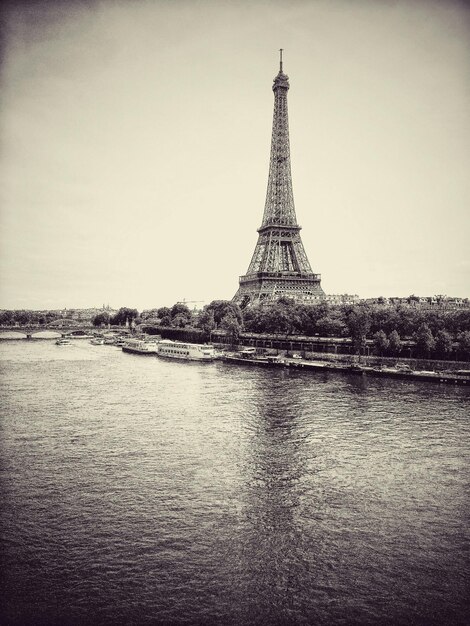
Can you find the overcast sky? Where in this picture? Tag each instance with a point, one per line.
(136, 137)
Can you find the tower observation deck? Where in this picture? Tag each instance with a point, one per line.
(279, 265)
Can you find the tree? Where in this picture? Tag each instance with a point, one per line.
(164, 312)
(444, 343)
(313, 313)
(101, 318)
(358, 322)
(383, 317)
(464, 344)
(181, 320)
(381, 342)
(460, 321)
(394, 343)
(23, 317)
(408, 321)
(300, 320)
(180, 309)
(425, 342)
(51, 316)
(123, 316)
(181, 316)
(6, 317)
(206, 320)
(330, 327)
(232, 326)
(150, 314)
(220, 308)
(253, 318)
(280, 316)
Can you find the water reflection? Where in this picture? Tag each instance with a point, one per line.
(278, 470)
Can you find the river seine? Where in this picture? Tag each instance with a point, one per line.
(142, 491)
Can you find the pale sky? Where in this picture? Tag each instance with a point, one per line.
(136, 135)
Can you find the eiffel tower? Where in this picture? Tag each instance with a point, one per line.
(279, 266)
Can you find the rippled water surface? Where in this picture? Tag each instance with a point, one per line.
(143, 491)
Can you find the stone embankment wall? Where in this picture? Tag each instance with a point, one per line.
(375, 361)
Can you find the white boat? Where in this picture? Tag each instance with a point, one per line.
(62, 341)
(140, 346)
(97, 341)
(185, 351)
(115, 340)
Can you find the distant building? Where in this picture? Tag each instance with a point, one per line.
(86, 315)
(342, 299)
(422, 302)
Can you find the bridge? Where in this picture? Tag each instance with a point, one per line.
(64, 329)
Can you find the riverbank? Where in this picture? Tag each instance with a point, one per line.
(399, 371)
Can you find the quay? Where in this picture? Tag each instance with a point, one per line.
(454, 378)
(268, 351)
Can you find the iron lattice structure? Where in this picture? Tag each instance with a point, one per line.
(279, 266)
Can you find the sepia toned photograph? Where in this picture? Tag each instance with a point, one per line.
(234, 313)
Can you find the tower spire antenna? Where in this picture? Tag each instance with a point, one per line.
(280, 52)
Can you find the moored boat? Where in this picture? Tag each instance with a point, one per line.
(185, 351)
(97, 341)
(249, 357)
(63, 341)
(140, 346)
(115, 340)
